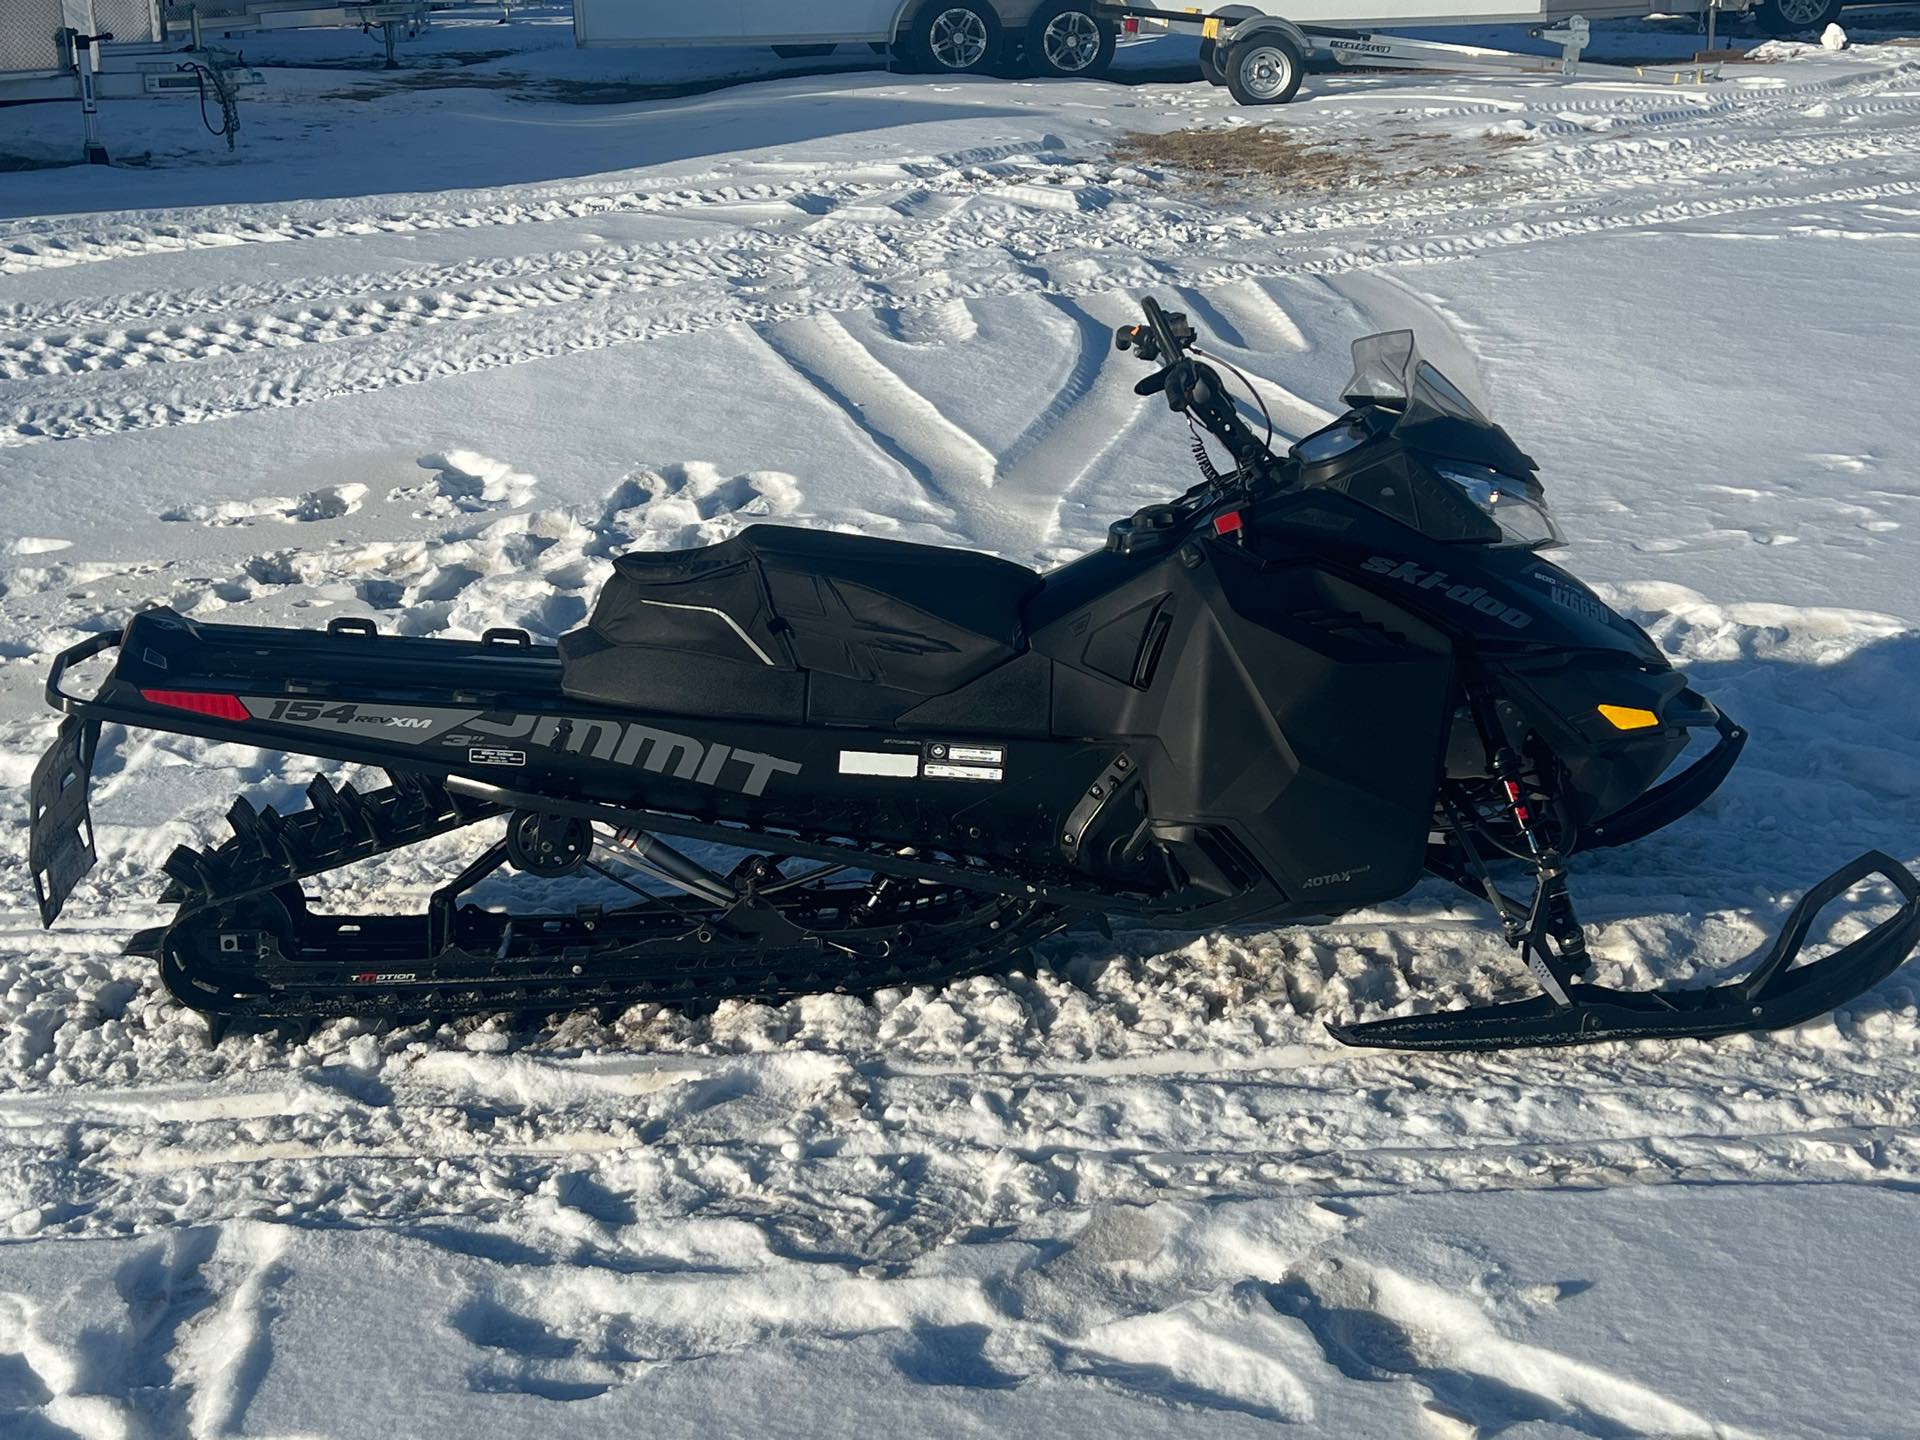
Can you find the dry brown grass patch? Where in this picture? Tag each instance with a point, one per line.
(1219, 157)
(1245, 151)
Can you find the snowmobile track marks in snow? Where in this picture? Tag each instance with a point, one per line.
(29, 245)
(486, 328)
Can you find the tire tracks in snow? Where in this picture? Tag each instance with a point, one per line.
(35, 245)
(93, 404)
(794, 1138)
(33, 330)
(312, 310)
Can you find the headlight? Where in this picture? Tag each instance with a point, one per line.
(1518, 507)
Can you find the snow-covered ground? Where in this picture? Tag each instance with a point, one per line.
(435, 353)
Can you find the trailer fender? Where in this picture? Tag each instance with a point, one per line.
(1257, 24)
(1211, 49)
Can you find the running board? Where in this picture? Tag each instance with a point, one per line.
(1775, 994)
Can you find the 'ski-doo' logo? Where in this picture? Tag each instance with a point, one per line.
(663, 751)
(1474, 597)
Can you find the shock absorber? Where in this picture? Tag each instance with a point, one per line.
(1552, 916)
(877, 897)
(1549, 936)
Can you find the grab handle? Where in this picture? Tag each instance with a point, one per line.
(73, 655)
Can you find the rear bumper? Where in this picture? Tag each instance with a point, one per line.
(167, 663)
(57, 696)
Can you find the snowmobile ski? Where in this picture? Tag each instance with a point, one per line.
(1773, 995)
(799, 761)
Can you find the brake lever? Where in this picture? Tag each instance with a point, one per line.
(1138, 339)
(1152, 384)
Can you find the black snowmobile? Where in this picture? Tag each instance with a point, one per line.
(1293, 691)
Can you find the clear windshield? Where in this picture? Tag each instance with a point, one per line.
(1388, 371)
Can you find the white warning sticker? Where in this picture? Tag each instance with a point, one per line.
(897, 764)
(976, 754)
(937, 771)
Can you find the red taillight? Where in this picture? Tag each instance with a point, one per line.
(220, 707)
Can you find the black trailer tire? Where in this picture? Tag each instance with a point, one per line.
(801, 52)
(1264, 69)
(954, 37)
(1213, 53)
(1796, 17)
(1069, 40)
(1210, 67)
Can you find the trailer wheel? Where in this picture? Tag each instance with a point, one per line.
(1069, 39)
(1795, 17)
(801, 52)
(1213, 67)
(955, 37)
(1210, 67)
(1264, 69)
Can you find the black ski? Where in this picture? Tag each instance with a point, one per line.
(1774, 994)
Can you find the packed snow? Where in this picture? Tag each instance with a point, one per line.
(431, 348)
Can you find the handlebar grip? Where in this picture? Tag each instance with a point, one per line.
(1170, 349)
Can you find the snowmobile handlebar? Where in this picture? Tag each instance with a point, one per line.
(1164, 336)
(1194, 389)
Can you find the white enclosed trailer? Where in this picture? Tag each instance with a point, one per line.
(1058, 37)
(1076, 37)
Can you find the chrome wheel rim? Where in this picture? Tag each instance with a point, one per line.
(1801, 12)
(1265, 72)
(958, 38)
(1071, 41)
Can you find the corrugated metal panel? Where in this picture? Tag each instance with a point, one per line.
(126, 20)
(27, 31)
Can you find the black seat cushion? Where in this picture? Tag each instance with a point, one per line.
(779, 621)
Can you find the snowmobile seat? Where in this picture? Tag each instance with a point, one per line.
(784, 624)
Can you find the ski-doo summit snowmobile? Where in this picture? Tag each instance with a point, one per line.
(1291, 692)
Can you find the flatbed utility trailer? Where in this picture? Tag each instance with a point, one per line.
(1260, 54)
(393, 18)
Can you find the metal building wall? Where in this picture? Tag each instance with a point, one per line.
(127, 20)
(27, 35)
